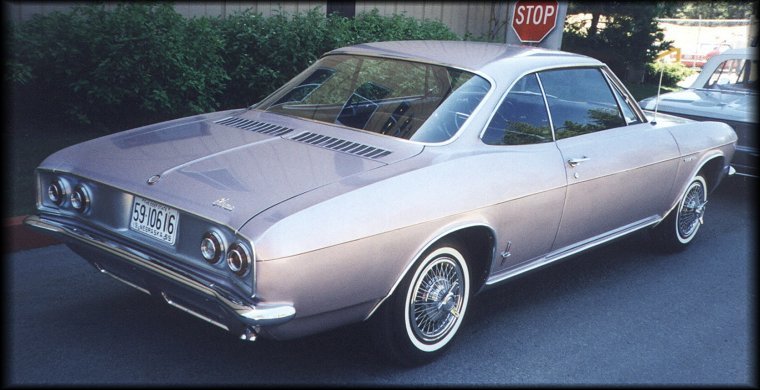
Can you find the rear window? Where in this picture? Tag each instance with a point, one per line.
(404, 99)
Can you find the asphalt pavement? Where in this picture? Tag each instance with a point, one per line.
(620, 314)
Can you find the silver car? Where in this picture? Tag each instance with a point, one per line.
(725, 91)
(389, 182)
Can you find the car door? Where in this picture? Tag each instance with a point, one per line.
(530, 175)
(619, 169)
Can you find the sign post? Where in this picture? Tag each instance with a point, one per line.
(536, 23)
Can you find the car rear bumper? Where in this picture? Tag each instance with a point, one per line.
(177, 288)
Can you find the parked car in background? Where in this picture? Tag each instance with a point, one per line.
(726, 90)
(703, 54)
(389, 182)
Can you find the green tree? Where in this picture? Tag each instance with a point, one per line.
(711, 9)
(624, 35)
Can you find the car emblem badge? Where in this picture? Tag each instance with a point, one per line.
(153, 179)
(507, 252)
(223, 203)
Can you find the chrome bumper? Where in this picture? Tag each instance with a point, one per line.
(250, 316)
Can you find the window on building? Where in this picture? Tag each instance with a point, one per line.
(342, 8)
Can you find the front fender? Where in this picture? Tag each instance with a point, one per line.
(711, 153)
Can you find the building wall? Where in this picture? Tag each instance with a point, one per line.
(462, 17)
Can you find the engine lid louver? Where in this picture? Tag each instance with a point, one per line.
(255, 126)
(341, 145)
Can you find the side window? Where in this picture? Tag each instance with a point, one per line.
(625, 106)
(734, 74)
(521, 118)
(580, 101)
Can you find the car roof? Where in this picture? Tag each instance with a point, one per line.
(468, 55)
(742, 51)
(731, 54)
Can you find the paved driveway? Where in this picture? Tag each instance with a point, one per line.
(621, 314)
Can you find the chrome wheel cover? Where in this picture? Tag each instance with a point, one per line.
(437, 299)
(691, 211)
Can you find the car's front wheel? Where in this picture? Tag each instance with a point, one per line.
(419, 321)
(676, 231)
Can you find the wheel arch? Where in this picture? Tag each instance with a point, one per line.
(712, 170)
(479, 241)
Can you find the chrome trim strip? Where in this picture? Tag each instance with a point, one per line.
(546, 106)
(573, 249)
(746, 149)
(192, 312)
(260, 314)
(632, 102)
(128, 283)
(218, 153)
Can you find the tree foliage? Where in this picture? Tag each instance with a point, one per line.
(262, 53)
(624, 35)
(144, 62)
(711, 9)
(93, 64)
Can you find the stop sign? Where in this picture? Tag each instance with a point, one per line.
(534, 20)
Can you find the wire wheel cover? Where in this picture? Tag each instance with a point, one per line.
(692, 210)
(437, 300)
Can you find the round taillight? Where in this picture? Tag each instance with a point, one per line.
(80, 198)
(57, 191)
(212, 247)
(238, 259)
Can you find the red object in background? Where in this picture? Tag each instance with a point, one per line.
(20, 237)
(534, 20)
(699, 60)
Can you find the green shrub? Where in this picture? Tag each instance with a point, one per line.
(372, 27)
(109, 66)
(672, 73)
(140, 63)
(262, 53)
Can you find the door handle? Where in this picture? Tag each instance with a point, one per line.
(575, 161)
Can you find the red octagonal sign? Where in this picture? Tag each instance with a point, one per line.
(534, 20)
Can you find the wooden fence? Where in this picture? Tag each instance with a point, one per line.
(478, 18)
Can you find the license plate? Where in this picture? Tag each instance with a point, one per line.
(154, 220)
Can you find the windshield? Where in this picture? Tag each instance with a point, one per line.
(404, 99)
(734, 75)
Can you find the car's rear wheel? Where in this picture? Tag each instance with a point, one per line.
(676, 231)
(419, 321)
